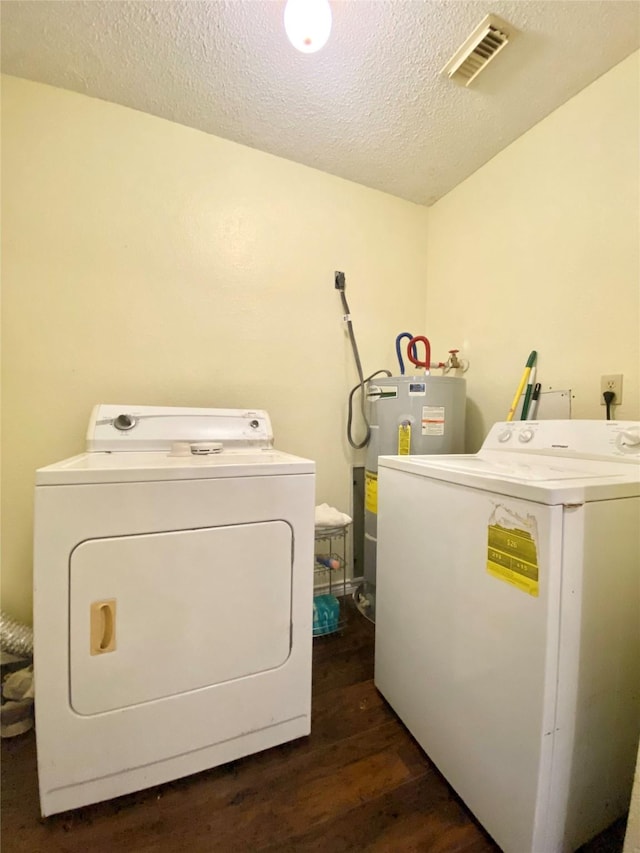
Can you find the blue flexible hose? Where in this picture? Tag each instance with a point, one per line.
(401, 337)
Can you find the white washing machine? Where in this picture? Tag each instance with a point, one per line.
(508, 623)
(173, 586)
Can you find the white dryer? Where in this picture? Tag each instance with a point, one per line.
(173, 585)
(508, 623)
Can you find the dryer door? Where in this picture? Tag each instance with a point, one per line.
(165, 613)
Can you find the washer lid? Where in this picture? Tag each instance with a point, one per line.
(552, 462)
(530, 468)
(107, 467)
(537, 477)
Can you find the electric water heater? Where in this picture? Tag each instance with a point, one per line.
(408, 416)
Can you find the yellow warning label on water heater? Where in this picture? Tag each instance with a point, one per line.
(404, 439)
(371, 492)
(512, 557)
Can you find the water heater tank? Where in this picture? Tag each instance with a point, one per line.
(408, 415)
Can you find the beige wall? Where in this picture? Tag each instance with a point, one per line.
(145, 262)
(539, 250)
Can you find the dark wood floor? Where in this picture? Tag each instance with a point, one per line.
(358, 782)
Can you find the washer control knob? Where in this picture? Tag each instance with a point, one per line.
(124, 422)
(525, 435)
(503, 436)
(629, 438)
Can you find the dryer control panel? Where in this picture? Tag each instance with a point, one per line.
(119, 428)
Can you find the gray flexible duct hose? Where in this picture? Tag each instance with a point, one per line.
(15, 637)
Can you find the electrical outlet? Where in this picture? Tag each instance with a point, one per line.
(611, 382)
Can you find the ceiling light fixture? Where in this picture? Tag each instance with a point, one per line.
(307, 24)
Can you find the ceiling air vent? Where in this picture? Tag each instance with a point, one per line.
(484, 43)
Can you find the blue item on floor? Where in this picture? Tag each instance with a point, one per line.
(326, 614)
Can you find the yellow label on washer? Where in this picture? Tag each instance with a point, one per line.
(371, 491)
(404, 439)
(512, 557)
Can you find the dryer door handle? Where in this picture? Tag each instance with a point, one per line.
(103, 626)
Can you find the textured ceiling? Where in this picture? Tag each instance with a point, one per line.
(370, 107)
